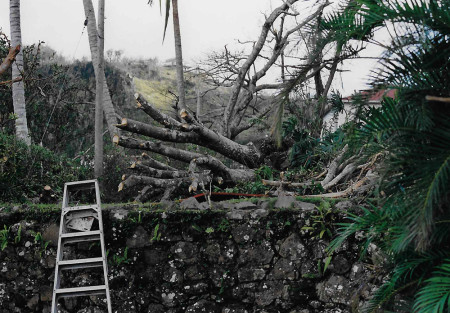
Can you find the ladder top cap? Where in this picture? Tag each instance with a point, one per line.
(81, 182)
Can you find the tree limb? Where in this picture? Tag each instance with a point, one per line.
(134, 180)
(158, 173)
(148, 161)
(8, 61)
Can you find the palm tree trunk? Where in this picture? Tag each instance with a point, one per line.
(108, 107)
(98, 159)
(178, 56)
(18, 91)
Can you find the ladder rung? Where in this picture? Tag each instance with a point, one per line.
(81, 182)
(80, 208)
(80, 263)
(80, 236)
(81, 291)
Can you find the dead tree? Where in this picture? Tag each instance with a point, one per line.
(241, 74)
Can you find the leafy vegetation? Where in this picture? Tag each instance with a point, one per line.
(118, 259)
(4, 236)
(24, 171)
(41, 242)
(322, 222)
(411, 223)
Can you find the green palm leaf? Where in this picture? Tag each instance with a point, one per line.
(435, 295)
(411, 269)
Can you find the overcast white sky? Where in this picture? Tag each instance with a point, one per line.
(137, 28)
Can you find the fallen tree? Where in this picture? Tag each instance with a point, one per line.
(226, 161)
(202, 168)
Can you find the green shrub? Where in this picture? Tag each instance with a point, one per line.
(24, 171)
(410, 223)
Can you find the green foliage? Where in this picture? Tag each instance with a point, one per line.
(24, 171)
(137, 220)
(209, 230)
(197, 228)
(308, 152)
(118, 259)
(435, 295)
(43, 244)
(322, 222)
(224, 225)
(411, 224)
(255, 187)
(302, 151)
(322, 266)
(18, 237)
(4, 236)
(156, 234)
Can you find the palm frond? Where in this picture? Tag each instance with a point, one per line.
(435, 295)
(166, 19)
(411, 269)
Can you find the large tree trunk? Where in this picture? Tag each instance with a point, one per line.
(18, 91)
(178, 56)
(108, 106)
(98, 160)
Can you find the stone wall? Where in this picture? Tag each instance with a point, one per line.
(237, 257)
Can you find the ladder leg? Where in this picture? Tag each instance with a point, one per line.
(103, 248)
(59, 255)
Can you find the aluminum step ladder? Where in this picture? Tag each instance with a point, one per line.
(75, 225)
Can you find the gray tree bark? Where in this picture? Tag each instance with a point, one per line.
(98, 158)
(178, 56)
(18, 90)
(8, 61)
(108, 106)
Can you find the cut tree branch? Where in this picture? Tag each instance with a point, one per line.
(9, 60)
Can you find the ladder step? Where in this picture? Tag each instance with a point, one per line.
(80, 208)
(81, 182)
(80, 236)
(80, 291)
(80, 263)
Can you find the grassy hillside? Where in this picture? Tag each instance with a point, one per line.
(156, 89)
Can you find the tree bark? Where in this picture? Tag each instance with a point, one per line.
(8, 61)
(18, 90)
(178, 56)
(108, 106)
(98, 159)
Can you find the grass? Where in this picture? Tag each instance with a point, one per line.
(156, 91)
